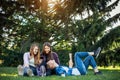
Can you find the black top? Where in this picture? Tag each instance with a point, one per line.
(45, 60)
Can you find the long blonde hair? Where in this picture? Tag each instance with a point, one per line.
(36, 56)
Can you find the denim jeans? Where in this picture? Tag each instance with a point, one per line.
(83, 65)
(32, 68)
(41, 70)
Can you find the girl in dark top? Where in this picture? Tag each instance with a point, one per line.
(48, 55)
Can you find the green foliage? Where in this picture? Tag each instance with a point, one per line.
(25, 21)
(63, 56)
(11, 58)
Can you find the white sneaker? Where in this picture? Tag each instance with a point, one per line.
(30, 72)
(63, 75)
(20, 70)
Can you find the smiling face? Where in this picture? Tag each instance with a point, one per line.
(35, 53)
(47, 49)
(35, 50)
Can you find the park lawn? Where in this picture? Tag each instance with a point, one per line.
(10, 73)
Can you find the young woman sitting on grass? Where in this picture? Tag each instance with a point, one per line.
(80, 66)
(31, 62)
(48, 55)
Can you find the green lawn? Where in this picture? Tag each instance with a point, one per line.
(10, 73)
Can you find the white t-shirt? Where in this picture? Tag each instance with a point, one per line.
(75, 71)
(31, 62)
(28, 60)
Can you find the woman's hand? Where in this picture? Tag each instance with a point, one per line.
(40, 61)
(26, 65)
(51, 64)
(70, 63)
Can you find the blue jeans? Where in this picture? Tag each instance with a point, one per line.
(83, 65)
(32, 68)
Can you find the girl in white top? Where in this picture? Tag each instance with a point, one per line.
(31, 60)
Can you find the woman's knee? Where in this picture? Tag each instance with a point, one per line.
(76, 54)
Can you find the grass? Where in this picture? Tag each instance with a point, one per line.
(10, 73)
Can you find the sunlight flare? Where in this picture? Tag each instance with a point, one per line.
(51, 3)
(4, 74)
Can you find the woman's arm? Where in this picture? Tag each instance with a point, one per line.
(26, 59)
(56, 58)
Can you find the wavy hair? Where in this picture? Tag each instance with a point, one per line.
(36, 56)
(49, 55)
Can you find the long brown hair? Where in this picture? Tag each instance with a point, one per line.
(36, 56)
(49, 55)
